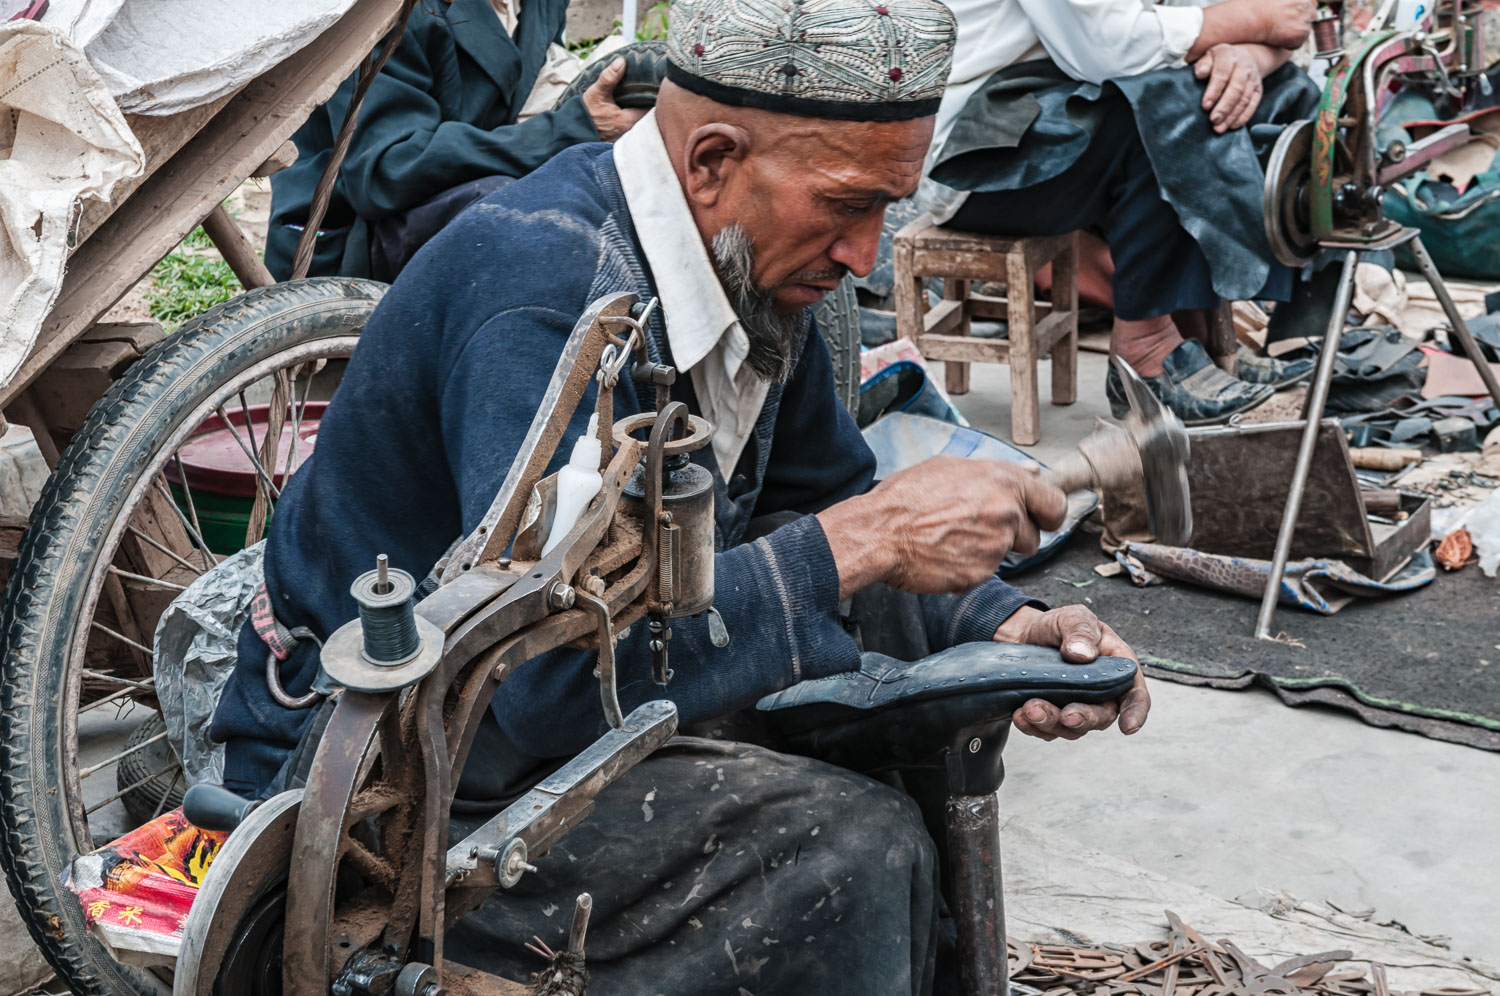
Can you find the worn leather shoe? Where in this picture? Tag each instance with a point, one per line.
(1254, 369)
(1198, 392)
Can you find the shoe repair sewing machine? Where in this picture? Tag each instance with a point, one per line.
(1326, 182)
(376, 881)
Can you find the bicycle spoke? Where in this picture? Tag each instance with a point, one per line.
(123, 693)
(115, 679)
(149, 580)
(122, 638)
(260, 467)
(196, 569)
(133, 785)
(249, 454)
(187, 491)
(84, 773)
(270, 448)
(161, 803)
(192, 531)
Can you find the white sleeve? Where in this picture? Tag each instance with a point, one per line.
(1096, 40)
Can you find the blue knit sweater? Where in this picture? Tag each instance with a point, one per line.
(437, 400)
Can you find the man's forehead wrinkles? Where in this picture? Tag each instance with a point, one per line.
(867, 179)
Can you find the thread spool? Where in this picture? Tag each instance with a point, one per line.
(1328, 34)
(387, 614)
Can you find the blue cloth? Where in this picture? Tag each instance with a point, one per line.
(434, 405)
(1136, 157)
(440, 114)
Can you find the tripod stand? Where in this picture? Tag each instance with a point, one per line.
(1317, 395)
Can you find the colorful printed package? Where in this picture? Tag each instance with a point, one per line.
(136, 891)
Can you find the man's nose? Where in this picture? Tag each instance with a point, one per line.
(858, 246)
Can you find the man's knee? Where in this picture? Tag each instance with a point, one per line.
(865, 822)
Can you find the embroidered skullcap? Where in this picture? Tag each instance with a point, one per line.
(855, 60)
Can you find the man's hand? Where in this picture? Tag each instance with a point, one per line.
(941, 526)
(1278, 23)
(1234, 87)
(610, 119)
(1082, 638)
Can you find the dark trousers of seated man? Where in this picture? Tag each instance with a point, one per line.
(719, 866)
(1112, 189)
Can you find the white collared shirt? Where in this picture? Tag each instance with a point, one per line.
(707, 341)
(1090, 40)
(509, 12)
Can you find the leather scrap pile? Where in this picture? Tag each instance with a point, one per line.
(1188, 965)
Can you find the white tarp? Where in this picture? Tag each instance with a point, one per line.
(62, 139)
(66, 83)
(165, 56)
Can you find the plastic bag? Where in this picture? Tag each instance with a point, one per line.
(1483, 525)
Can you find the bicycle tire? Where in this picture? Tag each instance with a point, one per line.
(50, 581)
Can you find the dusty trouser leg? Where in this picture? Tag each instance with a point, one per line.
(721, 867)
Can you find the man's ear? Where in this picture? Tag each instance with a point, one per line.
(714, 152)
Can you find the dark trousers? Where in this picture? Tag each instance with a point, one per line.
(1112, 188)
(395, 240)
(718, 866)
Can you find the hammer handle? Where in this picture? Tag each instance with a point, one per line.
(1072, 473)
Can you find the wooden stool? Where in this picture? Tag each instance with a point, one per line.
(924, 249)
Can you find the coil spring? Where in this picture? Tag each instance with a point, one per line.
(666, 562)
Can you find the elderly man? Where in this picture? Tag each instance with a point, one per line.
(759, 180)
(1084, 114)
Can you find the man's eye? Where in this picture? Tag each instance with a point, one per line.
(856, 207)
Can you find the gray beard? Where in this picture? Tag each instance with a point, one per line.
(775, 339)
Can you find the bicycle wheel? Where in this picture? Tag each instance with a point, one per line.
(180, 462)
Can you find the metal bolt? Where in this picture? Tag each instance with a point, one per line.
(382, 575)
(504, 563)
(974, 746)
(516, 863)
(561, 595)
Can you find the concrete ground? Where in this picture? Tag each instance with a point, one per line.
(1234, 792)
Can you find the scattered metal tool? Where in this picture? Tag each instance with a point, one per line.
(1187, 965)
(1151, 448)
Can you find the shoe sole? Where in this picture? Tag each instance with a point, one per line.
(1119, 413)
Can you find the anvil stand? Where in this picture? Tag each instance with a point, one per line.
(1317, 397)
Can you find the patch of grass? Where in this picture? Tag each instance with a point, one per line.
(188, 283)
(653, 27)
(654, 24)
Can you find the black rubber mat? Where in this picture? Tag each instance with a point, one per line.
(1427, 662)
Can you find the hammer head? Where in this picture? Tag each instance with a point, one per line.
(1163, 444)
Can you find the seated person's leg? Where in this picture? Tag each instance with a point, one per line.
(717, 865)
(1158, 266)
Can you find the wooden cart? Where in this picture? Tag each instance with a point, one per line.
(108, 547)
